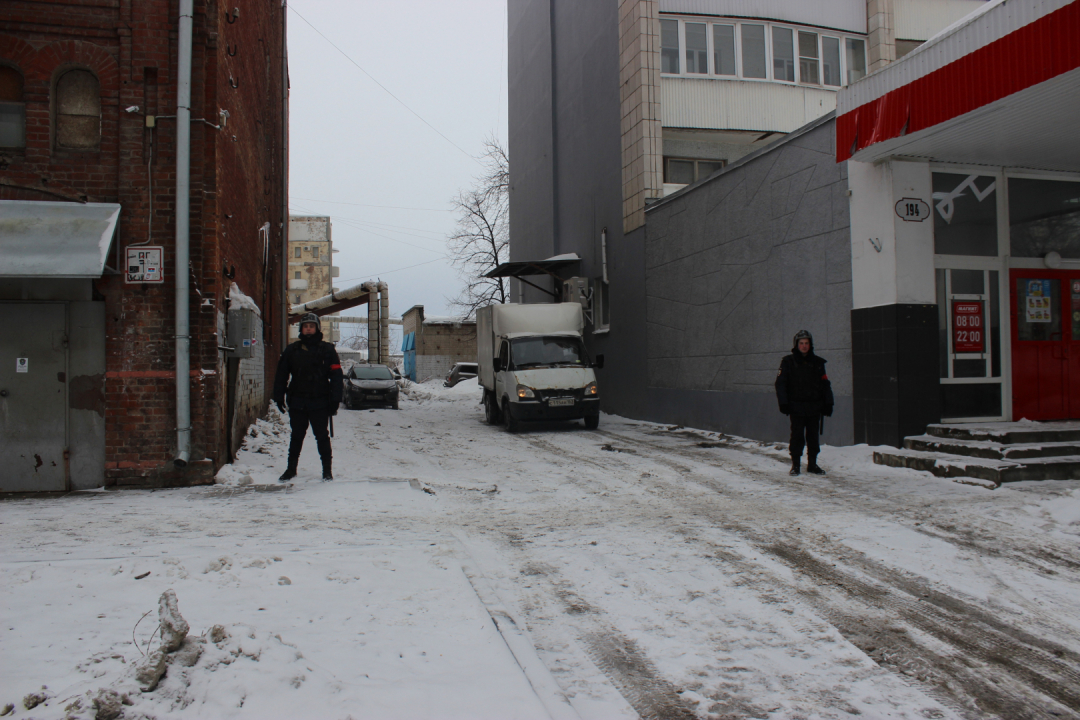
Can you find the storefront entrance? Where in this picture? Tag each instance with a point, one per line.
(1045, 309)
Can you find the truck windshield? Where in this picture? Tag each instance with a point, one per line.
(548, 351)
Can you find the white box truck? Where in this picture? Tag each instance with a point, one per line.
(533, 365)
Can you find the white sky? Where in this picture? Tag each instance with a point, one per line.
(351, 142)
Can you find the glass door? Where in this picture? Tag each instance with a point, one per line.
(1045, 343)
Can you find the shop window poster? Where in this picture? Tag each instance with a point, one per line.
(1038, 301)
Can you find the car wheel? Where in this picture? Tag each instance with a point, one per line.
(512, 425)
(592, 421)
(491, 409)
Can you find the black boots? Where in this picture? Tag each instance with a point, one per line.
(794, 467)
(327, 476)
(812, 467)
(289, 474)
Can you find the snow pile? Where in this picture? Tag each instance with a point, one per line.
(238, 300)
(266, 439)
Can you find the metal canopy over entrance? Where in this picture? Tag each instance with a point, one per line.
(553, 267)
(55, 239)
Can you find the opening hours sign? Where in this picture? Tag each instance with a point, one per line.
(969, 334)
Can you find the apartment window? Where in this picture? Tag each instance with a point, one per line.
(78, 110)
(315, 253)
(753, 51)
(297, 299)
(669, 46)
(683, 171)
(724, 49)
(296, 252)
(783, 48)
(296, 275)
(856, 60)
(809, 64)
(830, 61)
(12, 108)
(697, 48)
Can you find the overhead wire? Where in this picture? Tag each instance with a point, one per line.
(389, 207)
(354, 225)
(385, 89)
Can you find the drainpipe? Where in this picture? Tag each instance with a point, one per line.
(183, 220)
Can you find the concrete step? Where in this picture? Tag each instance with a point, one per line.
(1011, 433)
(1000, 471)
(990, 449)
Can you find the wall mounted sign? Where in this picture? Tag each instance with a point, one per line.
(22, 365)
(144, 264)
(912, 209)
(968, 330)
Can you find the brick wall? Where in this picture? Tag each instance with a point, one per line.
(237, 185)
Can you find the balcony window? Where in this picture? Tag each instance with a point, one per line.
(683, 171)
(753, 51)
(830, 61)
(856, 60)
(697, 49)
(669, 46)
(724, 49)
(783, 54)
(808, 58)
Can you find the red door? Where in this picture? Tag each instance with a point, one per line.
(1045, 344)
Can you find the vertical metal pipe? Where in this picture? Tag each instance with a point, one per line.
(183, 185)
(384, 324)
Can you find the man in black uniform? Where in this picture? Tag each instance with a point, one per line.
(313, 394)
(805, 393)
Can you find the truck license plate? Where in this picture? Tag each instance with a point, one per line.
(560, 402)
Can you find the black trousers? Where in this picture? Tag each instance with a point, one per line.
(319, 420)
(804, 433)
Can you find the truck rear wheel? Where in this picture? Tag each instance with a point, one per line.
(491, 409)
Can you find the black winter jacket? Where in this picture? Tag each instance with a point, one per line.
(802, 385)
(315, 370)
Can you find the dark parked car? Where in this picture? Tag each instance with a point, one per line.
(460, 371)
(370, 384)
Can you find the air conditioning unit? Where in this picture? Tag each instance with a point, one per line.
(576, 290)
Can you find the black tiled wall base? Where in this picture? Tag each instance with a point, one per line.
(894, 363)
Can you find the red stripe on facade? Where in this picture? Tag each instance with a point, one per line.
(1026, 57)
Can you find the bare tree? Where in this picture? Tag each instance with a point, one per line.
(481, 239)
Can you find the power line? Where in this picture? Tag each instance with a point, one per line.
(387, 272)
(391, 207)
(354, 225)
(372, 77)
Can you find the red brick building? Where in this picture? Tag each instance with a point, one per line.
(88, 175)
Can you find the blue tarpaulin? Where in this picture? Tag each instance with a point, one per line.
(408, 346)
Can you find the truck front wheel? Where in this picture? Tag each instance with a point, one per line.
(512, 425)
(491, 409)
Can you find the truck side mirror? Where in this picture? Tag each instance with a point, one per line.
(599, 364)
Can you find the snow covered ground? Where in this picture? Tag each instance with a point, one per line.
(455, 571)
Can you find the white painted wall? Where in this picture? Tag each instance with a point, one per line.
(903, 271)
(922, 19)
(849, 15)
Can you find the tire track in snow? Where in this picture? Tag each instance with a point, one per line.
(996, 665)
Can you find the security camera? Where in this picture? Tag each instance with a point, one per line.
(132, 109)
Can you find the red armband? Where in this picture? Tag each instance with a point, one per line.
(335, 367)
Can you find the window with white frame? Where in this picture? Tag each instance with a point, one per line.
(683, 171)
(760, 51)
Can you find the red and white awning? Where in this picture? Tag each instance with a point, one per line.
(1000, 87)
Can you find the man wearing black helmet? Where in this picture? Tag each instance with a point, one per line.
(805, 394)
(313, 393)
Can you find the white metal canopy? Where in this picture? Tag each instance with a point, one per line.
(55, 239)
